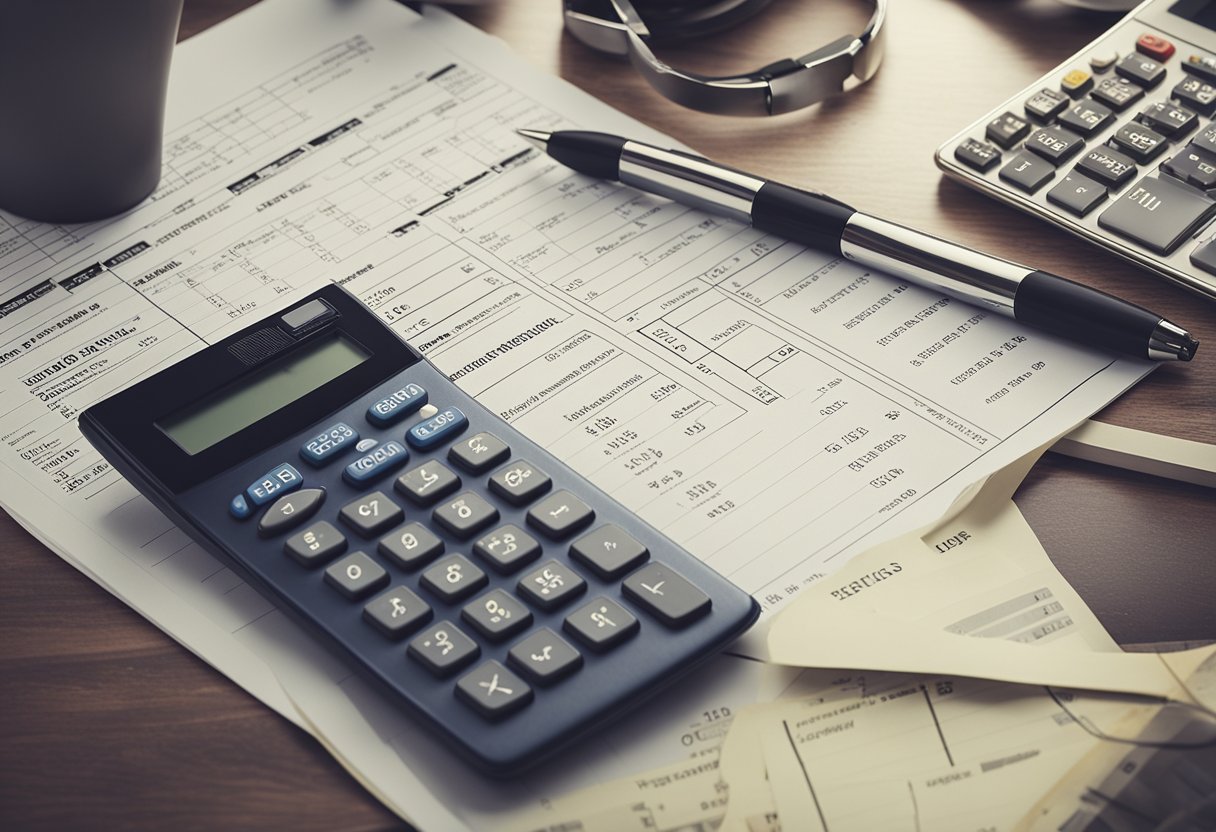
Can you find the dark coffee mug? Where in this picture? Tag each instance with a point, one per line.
(84, 104)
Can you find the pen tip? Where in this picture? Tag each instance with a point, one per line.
(1187, 350)
(537, 138)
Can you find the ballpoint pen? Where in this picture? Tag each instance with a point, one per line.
(1042, 300)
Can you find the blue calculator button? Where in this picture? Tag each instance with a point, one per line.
(438, 429)
(239, 507)
(329, 442)
(273, 483)
(387, 457)
(397, 405)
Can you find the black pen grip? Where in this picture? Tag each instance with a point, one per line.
(1083, 314)
(814, 220)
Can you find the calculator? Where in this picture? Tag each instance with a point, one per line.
(493, 593)
(1117, 144)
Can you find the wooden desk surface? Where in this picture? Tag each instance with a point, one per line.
(106, 723)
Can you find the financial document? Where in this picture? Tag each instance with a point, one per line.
(771, 408)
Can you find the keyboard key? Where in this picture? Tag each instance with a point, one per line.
(428, 483)
(608, 551)
(560, 514)
(371, 514)
(1077, 194)
(1157, 213)
(552, 585)
(601, 624)
(1103, 61)
(380, 461)
(1196, 95)
(479, 453)
(411, 546)
(290, 510)
(497, 615)
(465, 515)
(356, 576)
(429, 433)
(1204, 256)
(1202, 65)
(1169, 120)
(1007, 129)
(1191, 165)
(507, 548)
(520, 483)
(666, 594)
(1045, 104)
(239, 507)
(1206, 140)
(274, 483)
(1141, 143)
(1055, 144)
(1144, 71)
(1118, 93)
(493, 691)
(1086, 117)
(1028, 172)
(329, 443)
(1077, 82)
(397, 405)
(545, 657)
(397, 613)
(453, 578)
(443, 649)
(1110, 167)
(318, 544)
(1154, 46)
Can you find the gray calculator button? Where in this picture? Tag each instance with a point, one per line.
(551, 585)
(977, 155)
(1086, 117)
(356, 576)
(1055, 144)
(1204, 256)
(544, 657)
(397, 612)
(1045, 104)
(608, 551)
(1110, 167)
(560, 514)
(1118, 93)
(411, 546)
(520, 483)
(493, 691)
(466, 514)
(317, 544)
(1145, 72)
(1195, 94)
(1007, 129)
(1194, 166)
(453, 578)
(1077, 194)
(371, 514)
(428, 483)
(601, 624)
(1157, 213)
(507, 548)
(1028, 172)
(496, 615)
(666, 594)
(290, 510)
(1141, 143)
(1169, 119)
(479, 453)
(443, 649)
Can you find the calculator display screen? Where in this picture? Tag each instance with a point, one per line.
(216, 417)
(1202, 12)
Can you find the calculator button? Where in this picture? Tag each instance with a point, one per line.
(1157, 213)
(1077, 82)
(371, 514)
(1055, 144)
(1195, 94)
(383, 460)
(520, 483)
(397, 613)
(545, 657)
(601, 624)
(1141, 143)
(493, 691)
(1028, 172)
(356, 576)
(438, 429)
(1118, 93)
(1103, 62)
(978, 155)
(397, 405)
(317, 544)
(479, 453)
(1207, 139)
(1144, 71)
(1110, 167)
(428, 483)
(608, 551)
(1077, 194)
(497, 615)
(1202, 65)
(1045, 104)
(1007, 129)
(290, 510)
(365, 445)
(507, 548)
(239, 507)
(453, 578)
(411, 546)
(274, 483)
(443, 649)
(307, 315)
(551, 585)
(560, 514)
(329, 443)
(1204, 256)
(466, 515)
(1193, 166)
(1168, 119)
(666, 594)
(1155, 46)
(1086, 117)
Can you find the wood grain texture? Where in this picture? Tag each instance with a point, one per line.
(108, 724)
